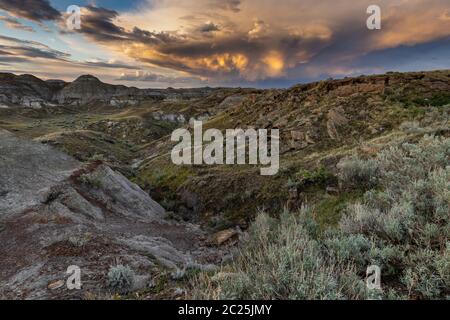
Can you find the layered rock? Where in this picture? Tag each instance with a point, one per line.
(29, 91)
(88, 88)
(24, 90)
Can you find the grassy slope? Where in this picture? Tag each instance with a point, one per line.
(374, 107)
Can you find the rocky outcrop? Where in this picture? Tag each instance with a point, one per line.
(27, 172)
(336, 119)
(29, 91)
(56, 212)
(89, 88)
(24, 90)
(171, 117)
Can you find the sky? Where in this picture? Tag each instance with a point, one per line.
(197, 43)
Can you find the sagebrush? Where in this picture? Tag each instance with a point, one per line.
(401, 225)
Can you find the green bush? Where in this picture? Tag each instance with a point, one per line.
(121, 279)
(355, 173)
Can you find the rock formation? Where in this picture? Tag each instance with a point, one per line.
(56, 212)
(29, 91)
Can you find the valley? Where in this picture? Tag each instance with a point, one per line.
(87, 176)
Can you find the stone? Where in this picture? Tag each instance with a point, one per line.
(332, 190)
(224, 236)
(56, 285)
(336, 119)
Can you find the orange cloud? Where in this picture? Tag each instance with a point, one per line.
(235, 40)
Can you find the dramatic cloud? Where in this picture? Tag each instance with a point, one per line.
(209, 38)
(16, 51)
(244, 41)
(35, 10)
(208, 50)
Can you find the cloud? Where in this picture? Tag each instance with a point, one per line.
(445, 16)
(13, 50)
(231, 5)
(157, 78)
(30, 49)
(209, 27)
(98, 23)
(35, 10)
(233, 41)
(15, 24)
(11, 59)
(207, 50)
(109, 64)
(260, 29)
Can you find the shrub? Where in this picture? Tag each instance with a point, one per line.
(97, 157)
(282, 259)
(350, 248)
(408, 220)
(121, 279)
(411, 127)
(402, 225)
(305, 178)
(355, 173)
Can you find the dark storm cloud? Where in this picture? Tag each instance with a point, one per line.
(98, 24)
(178, 51)
(153, 38)
(435, 53)
(252, 41)
(36, 10)
(204, 48)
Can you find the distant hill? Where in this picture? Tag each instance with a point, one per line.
(32, 92)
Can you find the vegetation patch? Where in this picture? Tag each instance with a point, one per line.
(400, 224)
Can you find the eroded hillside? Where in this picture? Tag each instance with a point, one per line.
(320, 124)
(56, 212)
